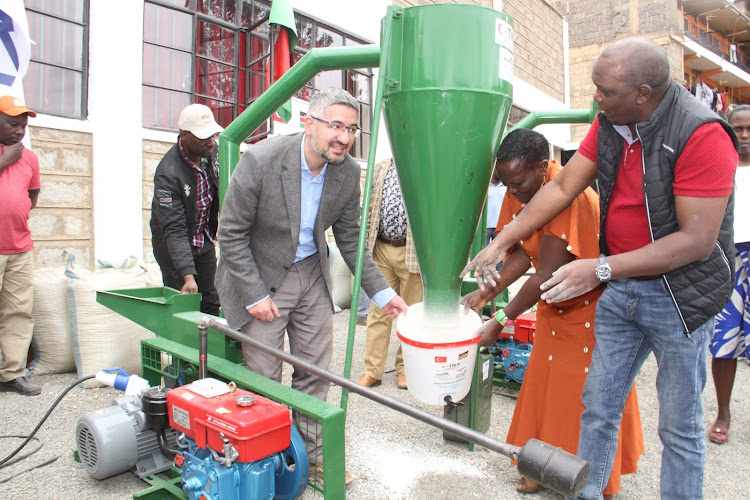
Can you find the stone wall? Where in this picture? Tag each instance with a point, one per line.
(153, 152)
(595, 24)
(539, 52)
(63, 218)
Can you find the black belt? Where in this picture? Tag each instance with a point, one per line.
(396, 243)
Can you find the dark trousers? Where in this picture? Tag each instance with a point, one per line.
(204, 259)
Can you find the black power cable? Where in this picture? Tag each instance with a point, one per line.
(7, 460)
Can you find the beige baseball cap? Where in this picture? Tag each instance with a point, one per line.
(199, 120)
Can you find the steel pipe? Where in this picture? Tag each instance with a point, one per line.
(202, 351)
(552, 467)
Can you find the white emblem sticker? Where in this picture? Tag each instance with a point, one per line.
(505, 66)
(220, 423)
(503, 33)
(181, 417)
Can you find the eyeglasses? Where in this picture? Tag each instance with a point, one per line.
(338, 127)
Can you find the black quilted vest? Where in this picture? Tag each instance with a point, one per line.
(701, 289)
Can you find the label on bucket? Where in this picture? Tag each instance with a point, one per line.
(449, 374)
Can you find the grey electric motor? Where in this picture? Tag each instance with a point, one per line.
(116, 439)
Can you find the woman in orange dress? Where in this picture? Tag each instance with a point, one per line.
(549, 405)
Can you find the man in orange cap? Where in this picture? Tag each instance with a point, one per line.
(19, 192)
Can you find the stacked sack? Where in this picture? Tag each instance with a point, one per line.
(343, 279)
(74, 332)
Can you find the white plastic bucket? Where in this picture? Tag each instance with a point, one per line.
(438, 360)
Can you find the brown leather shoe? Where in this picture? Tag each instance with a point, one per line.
(401, 381)
(22, 385)
(368, 381)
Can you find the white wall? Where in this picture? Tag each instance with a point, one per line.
(114, 119)
(115, 62)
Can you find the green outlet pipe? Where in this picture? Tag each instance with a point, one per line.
(536, 118)
(315, 61)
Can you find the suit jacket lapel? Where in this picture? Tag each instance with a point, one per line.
(291, 178)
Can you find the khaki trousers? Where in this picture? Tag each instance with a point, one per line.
(392, 263)
(16, 322)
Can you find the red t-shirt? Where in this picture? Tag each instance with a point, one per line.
(705, 169)
(15, 205)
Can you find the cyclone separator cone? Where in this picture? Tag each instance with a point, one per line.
(446, 101)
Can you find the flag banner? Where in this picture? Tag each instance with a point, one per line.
(282, 15)
(15, 51)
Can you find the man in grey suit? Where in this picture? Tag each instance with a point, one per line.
(273, 274)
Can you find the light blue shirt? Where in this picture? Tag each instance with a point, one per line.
(312, 190)
(495, 197)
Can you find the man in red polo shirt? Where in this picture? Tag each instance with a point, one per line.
(19, 192)
(664, 165)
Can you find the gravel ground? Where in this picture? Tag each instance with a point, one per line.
(392, 456)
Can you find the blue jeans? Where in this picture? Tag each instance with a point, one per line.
(633, 319)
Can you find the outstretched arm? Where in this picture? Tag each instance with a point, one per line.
(699, 221)
(547, 203)
(553, 253)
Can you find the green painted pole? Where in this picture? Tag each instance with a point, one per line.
(315, 61)
(385, 40)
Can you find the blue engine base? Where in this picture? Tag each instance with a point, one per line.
(512, 357)
(280, 476)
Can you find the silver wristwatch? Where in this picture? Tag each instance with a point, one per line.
(603, 271)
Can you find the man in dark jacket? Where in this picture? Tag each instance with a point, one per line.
(665, 166)
(184, 211)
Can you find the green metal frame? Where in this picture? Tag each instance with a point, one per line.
(155, 309)
(315, 61)
(164, 486)
(331, 418)
(174, 317)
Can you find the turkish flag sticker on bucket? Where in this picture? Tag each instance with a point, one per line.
(441, 359)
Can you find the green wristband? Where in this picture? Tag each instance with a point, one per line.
(501, 318)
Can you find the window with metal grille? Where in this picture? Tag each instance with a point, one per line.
(218, 53)
(516, 115)
(57, 79)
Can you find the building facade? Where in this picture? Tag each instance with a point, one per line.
(109, 83)
(706, 42)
